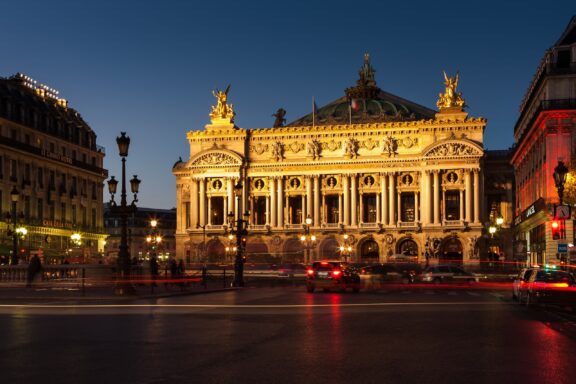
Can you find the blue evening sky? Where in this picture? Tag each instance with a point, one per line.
(149, 67)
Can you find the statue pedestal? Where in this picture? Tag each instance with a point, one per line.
(220, 125)
(451, 114)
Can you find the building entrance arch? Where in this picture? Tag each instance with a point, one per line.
(451, 251)
(407, 247)
(369, 251)
(215, 251)
(329, 249)
(292, 251)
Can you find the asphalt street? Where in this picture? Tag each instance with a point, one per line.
(285, 335)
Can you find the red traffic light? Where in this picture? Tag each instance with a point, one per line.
(555, 224)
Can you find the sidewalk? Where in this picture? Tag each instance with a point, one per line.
(73, 292)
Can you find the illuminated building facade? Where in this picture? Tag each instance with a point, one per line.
(544, 135)
(385, 176)
(48, 154)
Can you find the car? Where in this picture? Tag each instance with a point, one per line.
(375, 276)
(332, 275)
(439, 274)
(293, 270)
(549, 286)
(520, 281)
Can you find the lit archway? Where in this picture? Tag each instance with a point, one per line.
(369, 251)
(451, 250)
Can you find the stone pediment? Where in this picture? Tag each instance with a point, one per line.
(216, 158)
(453, 148)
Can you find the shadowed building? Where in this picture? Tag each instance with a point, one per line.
(545, 135)
(372, 171)
(48, 154)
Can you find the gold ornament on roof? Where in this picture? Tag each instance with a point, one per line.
(450, 98)
(222, 110)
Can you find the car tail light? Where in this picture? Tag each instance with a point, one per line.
(336, 272)
(310, 271)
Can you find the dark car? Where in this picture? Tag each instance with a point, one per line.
(293, 270)
(549, 286)
(520, 283)
(332, 275)
(375, 276)
(453, 274)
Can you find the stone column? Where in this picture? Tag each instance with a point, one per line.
(436, 197)
(209, 210)
(267, 210)
(229, 203)
(194, 203)
(468, 185)
(416, 208)
(316, 201)
(340, 213)
(424, 198)
(391, 202)
(280, 191)
(399, 207)
(384, 204)
(361, 208)
(476, 197)
(346, 187)
(378, 209)
(273, 209)
(461, 204)
(202, 202)
(309, 198)
(353, 204)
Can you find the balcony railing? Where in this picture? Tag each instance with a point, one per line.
(368, 225)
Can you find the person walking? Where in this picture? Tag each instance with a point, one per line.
(34, 267)
(153, 269)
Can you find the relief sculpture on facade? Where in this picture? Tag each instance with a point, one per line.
(453, 149)
(390, 146)
(215, 159)
(313, 149)
(351, 148)
(278, 151)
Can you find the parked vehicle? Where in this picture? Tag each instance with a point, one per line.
(294, 270)
(332, 275)
(440, 274)
(549, 286)
(375, 276)
(520, 281)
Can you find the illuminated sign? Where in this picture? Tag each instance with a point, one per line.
(538, 206)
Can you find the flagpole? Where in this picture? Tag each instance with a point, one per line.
(313, 112)
(350, 111)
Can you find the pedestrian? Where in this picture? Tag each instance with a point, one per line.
(153, 269)
(204, 276)
(34, 267)
(181, 273)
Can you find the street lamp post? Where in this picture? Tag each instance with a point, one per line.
(346, 248)
(560, 173)
(14, 195)
(154, 238)
(238, 227)
(123, 284)
(308, 241)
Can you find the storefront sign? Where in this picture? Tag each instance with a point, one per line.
(538, 206)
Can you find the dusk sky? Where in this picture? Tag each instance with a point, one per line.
(149, 67)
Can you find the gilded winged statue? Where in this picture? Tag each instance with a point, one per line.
(450, 98)
(222, 110)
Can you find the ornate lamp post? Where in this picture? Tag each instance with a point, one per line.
(308, 241)
(560, 173)
(346, 248)
(238, 227)
(154, 238)
(123, 284)
(14, 195)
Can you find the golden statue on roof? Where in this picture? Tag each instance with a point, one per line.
(450, 98)
(222, 110)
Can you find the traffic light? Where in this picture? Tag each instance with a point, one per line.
(555, 230)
